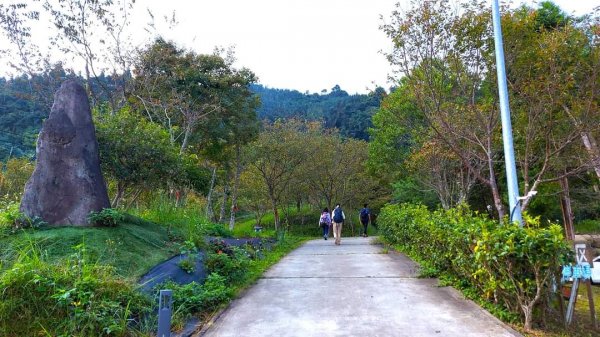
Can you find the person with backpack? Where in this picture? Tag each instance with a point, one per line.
(365, 218)
(338, 218)
(325, 222)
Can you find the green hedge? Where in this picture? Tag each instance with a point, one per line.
(507, 265)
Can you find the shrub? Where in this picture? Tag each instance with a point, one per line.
(213, 229)
(197, 298)
(73, 298)
(11, 218)
(233, 267)
(188, 264)
(506, 264)
(107, 217)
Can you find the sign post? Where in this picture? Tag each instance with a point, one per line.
(580, 272)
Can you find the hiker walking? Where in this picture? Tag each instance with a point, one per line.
(325, 222)
(365, 218)
(338, 220)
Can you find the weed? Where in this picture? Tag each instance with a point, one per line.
(107, 217)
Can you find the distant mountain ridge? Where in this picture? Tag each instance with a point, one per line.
(351, 114)
(21, 115)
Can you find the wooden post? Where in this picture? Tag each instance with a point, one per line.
(588, 284)
(572, 301)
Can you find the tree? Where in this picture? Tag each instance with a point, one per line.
(445, 59)
(135, 152)
(448, 61)
(276, 155)
(183, 90)
(337, 172)
(95, 33)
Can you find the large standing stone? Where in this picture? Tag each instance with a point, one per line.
(67, 183)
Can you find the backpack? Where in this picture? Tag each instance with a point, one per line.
(324, 219)
(337, 215)
(364, 215)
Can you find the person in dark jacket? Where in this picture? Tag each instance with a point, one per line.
(338, 218)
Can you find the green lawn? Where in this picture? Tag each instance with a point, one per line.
(132, 247)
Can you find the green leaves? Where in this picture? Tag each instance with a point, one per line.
(506, 264)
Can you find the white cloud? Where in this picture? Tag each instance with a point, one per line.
(304, 45)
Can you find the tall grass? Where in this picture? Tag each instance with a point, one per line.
(73, 297)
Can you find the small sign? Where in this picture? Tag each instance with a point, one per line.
(583, 254)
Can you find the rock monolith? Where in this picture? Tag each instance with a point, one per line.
(67, 183)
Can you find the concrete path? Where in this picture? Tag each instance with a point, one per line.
(351, 290)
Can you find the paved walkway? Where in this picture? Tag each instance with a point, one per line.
(351, 290)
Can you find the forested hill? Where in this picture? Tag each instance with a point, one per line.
(21, 112)
(351, 114)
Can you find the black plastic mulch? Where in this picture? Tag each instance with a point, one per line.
(170, 270)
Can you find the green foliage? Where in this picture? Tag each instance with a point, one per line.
(9, 214)
(506, 265)
(188, 264)
(588, 226)
(351, 114)
(190, 251)
(198, 298)
(70, 298)
(550, 16)
(229, 262)
(134, 151)
(108, 217)
(13, 176)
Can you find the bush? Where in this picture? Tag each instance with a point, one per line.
(107, 217)
(194, 298)
(12, 219)
(216, 230)
(232, 263)
(190, 251)
(508, 265)
(73, 298)
(9, 216)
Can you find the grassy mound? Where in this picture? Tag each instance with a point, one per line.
(131, 248)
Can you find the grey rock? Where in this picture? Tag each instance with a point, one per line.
(67, 183)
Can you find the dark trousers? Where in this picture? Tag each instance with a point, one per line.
(325, 230)
(365, 225)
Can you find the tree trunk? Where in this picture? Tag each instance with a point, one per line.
(495, 192)
(528, 312)
(223, 203)
(567, 211)
(119, 196)
(134, 199)
(236, 184)
(186, 138)
(275, 213)
(209, 209)
(592, 148)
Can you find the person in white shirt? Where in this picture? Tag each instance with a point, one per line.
(338, 218)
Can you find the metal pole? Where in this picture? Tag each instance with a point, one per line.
(509, 152)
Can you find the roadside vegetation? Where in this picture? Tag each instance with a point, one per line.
(191, 158)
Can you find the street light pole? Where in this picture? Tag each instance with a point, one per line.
(507, 138)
